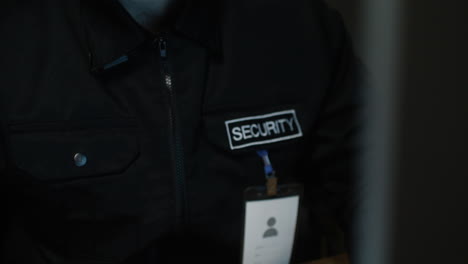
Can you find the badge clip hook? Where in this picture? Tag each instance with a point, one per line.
(270, 174)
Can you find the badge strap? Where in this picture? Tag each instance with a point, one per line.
(271, 179)
(272, 186)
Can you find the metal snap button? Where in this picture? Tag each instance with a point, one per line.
(80, 159)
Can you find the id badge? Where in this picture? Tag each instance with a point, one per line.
(270, 224)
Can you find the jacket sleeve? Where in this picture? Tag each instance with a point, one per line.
(336, 148)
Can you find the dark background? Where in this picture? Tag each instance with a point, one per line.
(432, 160)
(429, 163)
(352, 11)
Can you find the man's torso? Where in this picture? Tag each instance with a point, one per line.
(79, 78)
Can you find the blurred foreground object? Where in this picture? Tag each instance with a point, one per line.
(416, 171)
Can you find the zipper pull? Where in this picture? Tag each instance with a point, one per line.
(163, 47)
(271, 179)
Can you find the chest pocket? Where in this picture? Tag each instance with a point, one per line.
(64, 152)
(77, 183)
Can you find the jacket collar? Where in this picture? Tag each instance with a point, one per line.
(112, 34)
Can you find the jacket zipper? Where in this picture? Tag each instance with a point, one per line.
(176, 142)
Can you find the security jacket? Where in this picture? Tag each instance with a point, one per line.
(122, 146)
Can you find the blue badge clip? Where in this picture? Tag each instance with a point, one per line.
(268, 168)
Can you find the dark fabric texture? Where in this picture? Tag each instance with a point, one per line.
(161, 183)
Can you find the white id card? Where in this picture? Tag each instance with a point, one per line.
(270, 225)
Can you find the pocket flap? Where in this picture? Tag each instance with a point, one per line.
(52, 155)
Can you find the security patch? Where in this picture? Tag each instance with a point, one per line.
(263, 129)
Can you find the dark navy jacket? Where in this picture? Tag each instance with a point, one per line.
(122, 146)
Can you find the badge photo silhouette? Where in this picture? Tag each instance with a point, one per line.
(271, 232)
